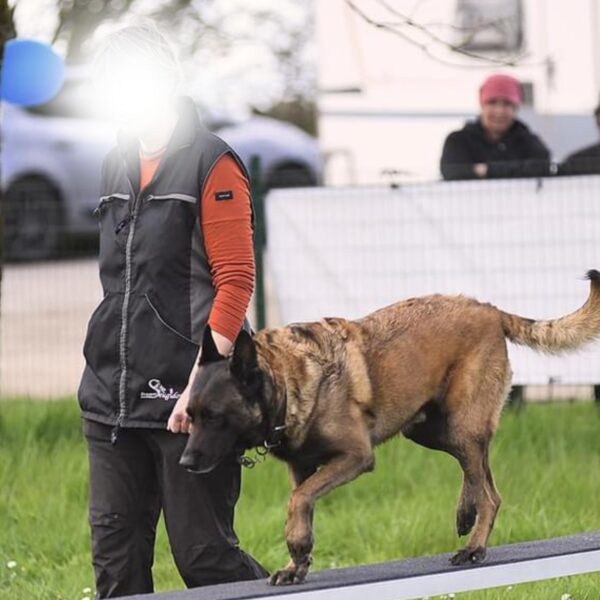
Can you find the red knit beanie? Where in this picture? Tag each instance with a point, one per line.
(502, 87)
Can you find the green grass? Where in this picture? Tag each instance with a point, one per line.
(546, 461)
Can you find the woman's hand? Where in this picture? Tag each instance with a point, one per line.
(480, 169)
(179, 421)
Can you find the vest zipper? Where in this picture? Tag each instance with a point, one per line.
(125, 306)
(125, 322)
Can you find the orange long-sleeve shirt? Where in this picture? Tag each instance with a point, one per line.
(226, 221)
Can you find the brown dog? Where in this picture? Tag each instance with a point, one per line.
(323, 395)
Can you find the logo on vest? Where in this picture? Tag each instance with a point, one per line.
(224, 195)
(160, 392)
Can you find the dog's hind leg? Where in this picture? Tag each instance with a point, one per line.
(474, 405)
(431, 429)
(478, 504)
(462, 424)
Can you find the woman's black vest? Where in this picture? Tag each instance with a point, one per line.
(143, 337)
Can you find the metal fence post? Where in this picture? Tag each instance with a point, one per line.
(258, 198)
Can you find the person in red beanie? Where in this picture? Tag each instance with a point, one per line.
(497, 144)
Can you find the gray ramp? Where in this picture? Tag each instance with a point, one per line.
(421, 577)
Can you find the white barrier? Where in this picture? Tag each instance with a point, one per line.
(522, 245)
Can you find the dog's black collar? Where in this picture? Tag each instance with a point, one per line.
(273, 436)
(274, 433)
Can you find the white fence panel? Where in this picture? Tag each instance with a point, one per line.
(522, 245)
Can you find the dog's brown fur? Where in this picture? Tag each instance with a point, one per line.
(433, 368)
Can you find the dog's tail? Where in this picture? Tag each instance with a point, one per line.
(559, 335)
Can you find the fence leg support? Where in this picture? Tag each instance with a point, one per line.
(258, 199)
(516, 397)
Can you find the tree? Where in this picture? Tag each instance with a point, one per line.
(7, 32)
(239, 53)
(78, 19)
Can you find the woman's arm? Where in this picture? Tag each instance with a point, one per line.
(226, 220)
(226, 217)
(456, 162)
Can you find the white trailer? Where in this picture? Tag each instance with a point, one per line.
(388, 103)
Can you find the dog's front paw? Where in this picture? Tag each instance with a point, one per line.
(292, 573)
(287, 576)
(468, 556)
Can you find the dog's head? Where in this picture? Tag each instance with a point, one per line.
(226, 404)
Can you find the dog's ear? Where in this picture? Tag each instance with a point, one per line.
(244, 361)
(209, 348)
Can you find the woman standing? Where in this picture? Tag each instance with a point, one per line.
(175, 219)
(497, 144)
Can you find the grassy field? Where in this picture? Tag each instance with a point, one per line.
(546, 461)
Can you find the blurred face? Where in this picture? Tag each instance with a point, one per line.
(497, 116)
(137, 95)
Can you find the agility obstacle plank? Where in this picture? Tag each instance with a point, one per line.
(421, 577)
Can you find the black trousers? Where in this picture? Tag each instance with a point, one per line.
(130, 482)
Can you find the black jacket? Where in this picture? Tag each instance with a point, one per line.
(583, 162)
(520, 153)
(143, 337)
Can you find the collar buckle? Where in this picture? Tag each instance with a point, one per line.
(276, 438)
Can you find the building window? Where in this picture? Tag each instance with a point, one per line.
(489, 25)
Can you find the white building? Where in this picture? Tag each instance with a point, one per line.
(384, 103)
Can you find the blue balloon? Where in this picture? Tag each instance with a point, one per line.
(32, 73)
